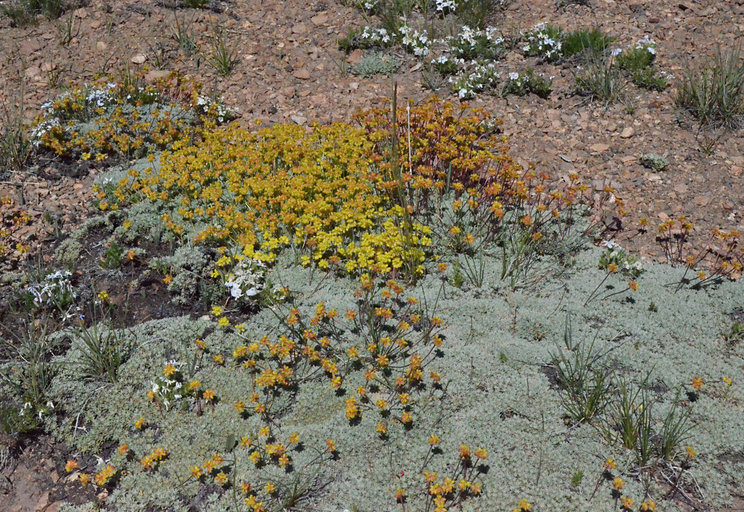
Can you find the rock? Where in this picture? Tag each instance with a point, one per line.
(156, 74)
(319, 19)
(43, 501)
(101, 46)
(355, 57)
(80, 13)
(298, 119)
(54, 507)
(302, 74)
(33, 72)
(599, 148)
(139, 58)
(627, 133)
(299, 28)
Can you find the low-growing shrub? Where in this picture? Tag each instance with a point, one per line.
(714, 94)
(125, 119)
(586, 42)
(601, 80)
(23, 12)
(527, 82)
(15, 146)
(376, 64)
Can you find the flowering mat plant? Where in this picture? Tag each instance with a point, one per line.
(389, 314)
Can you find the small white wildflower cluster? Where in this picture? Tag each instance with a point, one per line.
(476, 44)
(445, 6)
(477, 78)
(445, 65)
(165, 390)
(40, 410)
(646, 43)
(43, 127)
(544, 41)
(207, 104)
(376, 37)
(615, 254)
(370, 5)
(415, 42)
(525, 82)
(247, 280)
(103, 97)
(55, 290)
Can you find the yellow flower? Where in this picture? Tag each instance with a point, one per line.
(697, 383)
(269, 488)
(648, 506)
(727, 380)
(169, 370)
(139, 424)
(524, 505)
(627, 503)
(331, 445)
(217, 311)
(618, 483)
(223, 321)
(103, 295)
(71, 465)
(691, 452)
(400, 495)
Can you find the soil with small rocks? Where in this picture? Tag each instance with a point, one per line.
(290, 70)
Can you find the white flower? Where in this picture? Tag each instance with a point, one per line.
(513, 76)
(616, 52)
(610, 244)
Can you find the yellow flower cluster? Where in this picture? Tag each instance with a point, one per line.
(12, 220)
(104, 476)
(152, 460)
(280, 187)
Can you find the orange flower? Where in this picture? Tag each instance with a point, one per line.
(697, 383)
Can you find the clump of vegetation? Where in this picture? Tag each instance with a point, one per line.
(656, 163)
(601, 80)
(15, 147)
(551, 44)
(125, 119)
(527, 82)
(23, 12)
(714, 94)
(376, 64)
(638, 63)
(223, 55)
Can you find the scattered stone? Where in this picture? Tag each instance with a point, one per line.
(156, 74)
(319, 19)
(43, 501)
(627, 133)
(101, 46)
(301, 74)
(599, 148)
(139, 58)
(355, 57)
